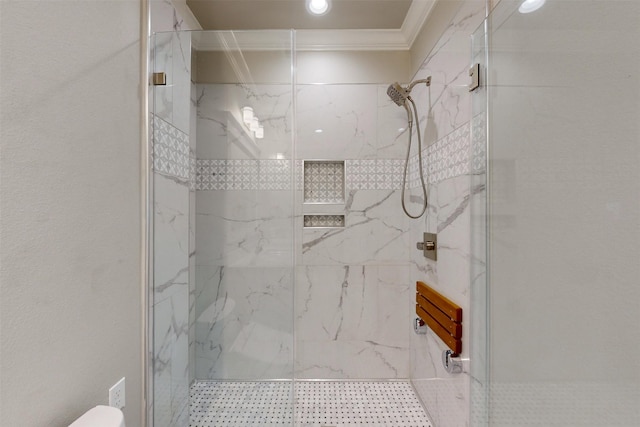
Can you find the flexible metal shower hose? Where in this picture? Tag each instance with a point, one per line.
(406, 163)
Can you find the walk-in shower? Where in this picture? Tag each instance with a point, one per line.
(268, 310)
(284, 273)
(400, 96)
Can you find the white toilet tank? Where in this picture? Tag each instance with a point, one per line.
(100, 416)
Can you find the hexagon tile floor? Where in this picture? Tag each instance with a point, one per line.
(318, 404)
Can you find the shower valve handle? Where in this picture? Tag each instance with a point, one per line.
(429, 246)
(426, 246)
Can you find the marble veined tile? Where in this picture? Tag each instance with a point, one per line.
(171, 54)
(211, 122)
(221, 132)
(171, 236)
(246, 228)
(162, 55)
(363, 307)
(181, 69)
(392, 127)
(171, 354)
(333, 304)
(446, 400)
(374, 233)
(273, 105)
(336, 122)
(448, 97)
(246, 330)
(350, 360)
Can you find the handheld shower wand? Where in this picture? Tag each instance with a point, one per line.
(400, 96)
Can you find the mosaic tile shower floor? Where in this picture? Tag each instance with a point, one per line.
(318, 404)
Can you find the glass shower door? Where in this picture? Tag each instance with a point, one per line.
(235, 306)
(563, 203)
(172, 181)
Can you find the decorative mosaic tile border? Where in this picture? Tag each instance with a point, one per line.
(447, 158)
(170, 149)
(192, 171)
(243, 174)
(479, 143)
(379, 174)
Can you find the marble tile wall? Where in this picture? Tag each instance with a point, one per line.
(452, 161)
(352, 278)
(192, 233)
(353, 321)
(246, 203)
(244, 284)
(171, 297)
(353, 293)
(246, 333)
(173, 175)
(171, 53)
(220, 127)
(244, 218)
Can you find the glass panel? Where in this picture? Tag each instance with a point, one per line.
(563, 201)
(170, 294)
(223, 228)
(478, 259)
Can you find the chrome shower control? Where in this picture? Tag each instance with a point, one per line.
(429, 246)
(426, 246)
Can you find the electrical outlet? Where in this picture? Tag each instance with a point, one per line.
(116, 394)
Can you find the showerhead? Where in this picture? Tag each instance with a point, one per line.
(397, 93)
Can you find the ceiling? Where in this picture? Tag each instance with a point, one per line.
(349, 24)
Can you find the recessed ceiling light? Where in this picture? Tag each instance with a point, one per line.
(318, 7)
(318, 131)
(530, 5)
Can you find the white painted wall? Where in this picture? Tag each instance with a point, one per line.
(70, 209)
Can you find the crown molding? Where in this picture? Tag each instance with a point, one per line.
(350, 40)
(331, 40)
(417, 16)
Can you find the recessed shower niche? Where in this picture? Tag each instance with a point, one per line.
(324, 181)
(323, 221)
